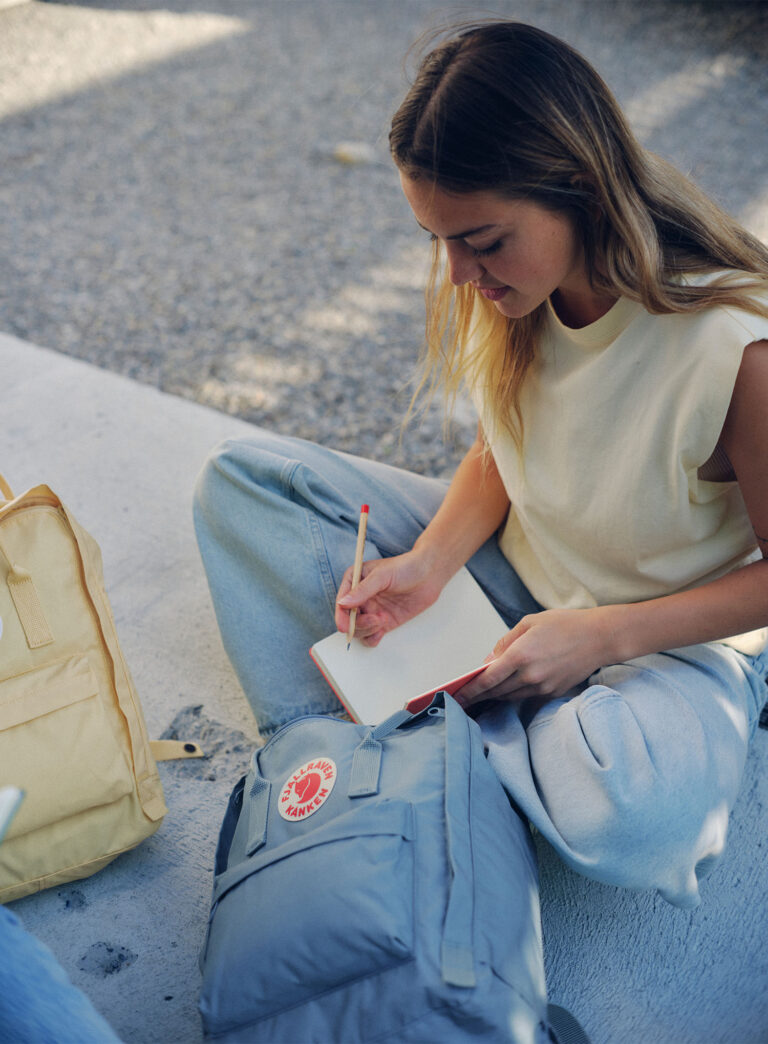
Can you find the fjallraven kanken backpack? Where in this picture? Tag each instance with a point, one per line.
(374, 884)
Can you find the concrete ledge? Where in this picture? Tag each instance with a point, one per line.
(124, 458)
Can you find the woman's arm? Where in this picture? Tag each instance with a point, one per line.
(474, 507)
(548, 653)
(393, 590)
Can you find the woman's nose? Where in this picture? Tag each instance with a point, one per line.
(463, 266)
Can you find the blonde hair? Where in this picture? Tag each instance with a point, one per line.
(506, 107)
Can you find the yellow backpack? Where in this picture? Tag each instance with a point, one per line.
(72, 732)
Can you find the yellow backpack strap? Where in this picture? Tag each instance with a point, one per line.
(5, 489)
(171, 750)
(28, 607)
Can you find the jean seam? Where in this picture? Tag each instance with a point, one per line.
(323, 561)
(287, 472)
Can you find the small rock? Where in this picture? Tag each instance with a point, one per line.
(354, 153)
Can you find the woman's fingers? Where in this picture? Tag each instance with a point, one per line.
(391, 591)
(374, 638)
(374, 579)
(347, 599)
(484, 685)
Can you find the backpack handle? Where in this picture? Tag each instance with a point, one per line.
(27, 603)
(366, 762)
(457, 957)
(5, 489)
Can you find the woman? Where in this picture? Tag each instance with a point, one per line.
(611, 324)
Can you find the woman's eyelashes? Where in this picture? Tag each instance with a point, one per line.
(486, 251)
(477, 251)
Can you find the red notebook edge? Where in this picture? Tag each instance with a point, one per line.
(419, 703)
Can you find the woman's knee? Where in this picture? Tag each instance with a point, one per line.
(213, 489)
(236, 474)
(243, 463)
(594, 769)
(637, 807)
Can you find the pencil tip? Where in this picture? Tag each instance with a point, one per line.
(348, 645)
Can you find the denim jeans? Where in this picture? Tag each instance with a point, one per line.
(631, 777)
(38, 1003)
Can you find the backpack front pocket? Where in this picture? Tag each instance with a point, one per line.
(336, 904)
(58, 744)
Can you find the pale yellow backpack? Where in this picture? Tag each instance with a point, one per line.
(72, 732)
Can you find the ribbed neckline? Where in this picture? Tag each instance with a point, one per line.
(602, 331)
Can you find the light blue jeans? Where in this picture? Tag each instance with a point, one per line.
(631, 780)
(38, 1003)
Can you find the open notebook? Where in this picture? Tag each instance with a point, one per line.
(442, 648)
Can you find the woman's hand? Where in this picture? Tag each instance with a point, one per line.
(545, 655)
(391, 591)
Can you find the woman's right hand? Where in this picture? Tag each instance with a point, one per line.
(391, 591)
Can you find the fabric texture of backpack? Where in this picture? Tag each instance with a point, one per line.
(374, 884)
(72, 732)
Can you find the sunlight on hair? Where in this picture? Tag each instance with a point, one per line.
(111, 44)
(665, 99)
(755, 216)
(360, 309)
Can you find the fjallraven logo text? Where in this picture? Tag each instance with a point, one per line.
(307, 789)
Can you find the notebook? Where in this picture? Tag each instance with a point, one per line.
(440, 649)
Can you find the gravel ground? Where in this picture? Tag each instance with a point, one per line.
(177, 202)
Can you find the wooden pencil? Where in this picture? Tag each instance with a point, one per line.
(357, 568)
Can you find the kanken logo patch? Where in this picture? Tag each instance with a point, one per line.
(307, 789)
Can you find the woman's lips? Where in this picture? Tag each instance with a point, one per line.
(493, 293)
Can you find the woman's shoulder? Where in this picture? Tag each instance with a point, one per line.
(739, 300)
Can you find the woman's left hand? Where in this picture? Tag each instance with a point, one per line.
(545, 655)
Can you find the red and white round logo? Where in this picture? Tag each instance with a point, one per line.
(307, 789)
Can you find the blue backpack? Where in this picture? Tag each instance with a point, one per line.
(374, 884)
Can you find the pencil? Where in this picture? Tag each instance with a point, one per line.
(357, 568)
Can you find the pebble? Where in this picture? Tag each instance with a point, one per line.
(354, 153)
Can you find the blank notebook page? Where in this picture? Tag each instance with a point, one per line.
(447, 640)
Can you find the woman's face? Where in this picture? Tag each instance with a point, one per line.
(515, 253)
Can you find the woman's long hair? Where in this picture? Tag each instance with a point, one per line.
(506, 107)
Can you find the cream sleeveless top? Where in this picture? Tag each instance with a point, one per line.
(607, 504)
